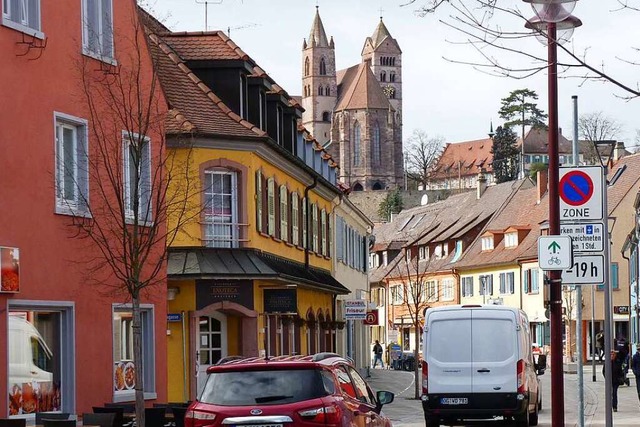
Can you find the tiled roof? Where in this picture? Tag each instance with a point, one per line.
(381, 32)
(628, 181)
(193, 105)
(521, 211)
(363, 91)
(195, 46)
(317, 33)
(536, 141)
(464, 159)
(438, 222)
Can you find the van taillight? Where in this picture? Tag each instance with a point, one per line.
(425, 377)
(327, 415)
(195, 418)
(521, 377)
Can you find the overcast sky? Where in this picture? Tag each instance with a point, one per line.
(445, 99)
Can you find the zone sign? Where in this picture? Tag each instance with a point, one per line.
(580, 191)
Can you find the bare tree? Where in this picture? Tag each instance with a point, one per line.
(596, 127)
(412, 281)
(141, 192)
(492, 27)
(421, 154)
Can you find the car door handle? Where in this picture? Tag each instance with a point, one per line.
(484, 370)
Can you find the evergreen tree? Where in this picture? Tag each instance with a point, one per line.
(505, 155)
(392, 203)
(518, 109)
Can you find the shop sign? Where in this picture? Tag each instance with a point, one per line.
(212, 291)
(174, 317)
(355, 309)
(9, 270)
(372, 318)
(280, 301)
(621, 309)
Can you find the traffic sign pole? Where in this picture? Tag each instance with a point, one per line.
(608, 387)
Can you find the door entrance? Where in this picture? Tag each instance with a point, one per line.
(212, 345)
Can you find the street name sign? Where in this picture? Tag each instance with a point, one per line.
(586, 270)
(585, 237)
(355, 309)
(555, 252)
(580, 191)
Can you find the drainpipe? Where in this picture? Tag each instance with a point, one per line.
(309, 220)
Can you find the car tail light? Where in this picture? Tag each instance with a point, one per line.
(521, 377)
(425, 377)
(195, 418)
(327, 415)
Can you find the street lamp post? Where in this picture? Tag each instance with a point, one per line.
(553, 16)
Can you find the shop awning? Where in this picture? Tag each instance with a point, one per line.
(229, 264)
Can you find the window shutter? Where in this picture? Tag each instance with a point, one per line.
(295, 219)
(276, 207)
(107, 29)
(502, 283)
(329, 234)
(265, 204)
(323, 232)
(284, 224)
(259, 200)
(272, 209)
(305, 224)
(526, 280)
(314, 227)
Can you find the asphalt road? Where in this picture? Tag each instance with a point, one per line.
(406, 411)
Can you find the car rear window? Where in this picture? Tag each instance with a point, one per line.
(273, 387)
(493, 340)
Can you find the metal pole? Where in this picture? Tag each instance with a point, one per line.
(578, 287)
(555, 288)
(593, 334)
(608, 387)
(184, 359)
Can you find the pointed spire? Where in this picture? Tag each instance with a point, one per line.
(380, 33)
(491, 132)
(317, 36)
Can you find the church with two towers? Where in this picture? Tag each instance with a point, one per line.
(356, 113)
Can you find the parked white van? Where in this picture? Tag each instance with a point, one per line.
(478, 365)
(29, 355)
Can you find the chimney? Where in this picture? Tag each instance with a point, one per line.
(482, 182)
(618, 152)
(542, 178)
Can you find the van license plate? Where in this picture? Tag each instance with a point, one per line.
(454, 401)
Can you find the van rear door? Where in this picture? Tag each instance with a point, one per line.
(448, 347)
(494, 342)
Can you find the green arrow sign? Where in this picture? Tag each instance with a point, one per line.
(554, 247)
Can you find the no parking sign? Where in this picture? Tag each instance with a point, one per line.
(580, 191)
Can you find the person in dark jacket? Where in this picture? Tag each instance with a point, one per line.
(635, 368)
(377, 354)
(617, 377)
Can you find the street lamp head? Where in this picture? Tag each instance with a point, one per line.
(552, 10)
(564, 28)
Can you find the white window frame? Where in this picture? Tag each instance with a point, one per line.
(467, 286)
(511, 239)
(397, 296)
(148, 351)
(447, 289)
(213, 220)
(295, 235)
(109, 56)
(79, 206)
(23, 25)
(432, 291)
(126, 177)
(487, 243)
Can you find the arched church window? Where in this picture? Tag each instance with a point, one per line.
(323, 67)
(377, 186)
(376, 144)
(357, 187)
(356, 144)
(392, 77)
(306, 66)
(327, 91)
(326, 116)
(320, 91)
(393, 61)
(383, 76)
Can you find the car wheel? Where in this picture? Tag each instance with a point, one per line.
(523, 420)
(533, 418)
(433, 422)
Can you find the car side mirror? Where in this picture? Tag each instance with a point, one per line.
(541, 364)
(385, 397)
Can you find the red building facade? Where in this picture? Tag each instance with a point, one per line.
(65, 328)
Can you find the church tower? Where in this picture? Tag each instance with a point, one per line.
(319, 89)
(382, 53)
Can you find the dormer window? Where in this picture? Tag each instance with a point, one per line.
(243, 96)
(511, 240)
(408, 255)
(438, 251)
(262, 109)
(423, 252)
(385, 258)
(487, 243)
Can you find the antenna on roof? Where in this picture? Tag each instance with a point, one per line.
(206, 10)
(240, 27)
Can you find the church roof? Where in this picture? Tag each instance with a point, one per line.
(360, 89)
(317, 32)
(380, 34)
(464, 159)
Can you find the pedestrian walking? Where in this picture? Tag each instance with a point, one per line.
(600, 345)
(377, 354)
(635, 368)
(617, 377)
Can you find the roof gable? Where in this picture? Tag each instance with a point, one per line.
(363, 91)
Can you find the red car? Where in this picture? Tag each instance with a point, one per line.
(320, 390)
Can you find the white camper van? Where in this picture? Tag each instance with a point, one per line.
(478, 365)
(29, 355)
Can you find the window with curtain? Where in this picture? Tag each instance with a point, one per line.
(221, 208)
(375, 148)
(356, 144)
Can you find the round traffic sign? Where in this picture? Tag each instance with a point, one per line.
(576, 188)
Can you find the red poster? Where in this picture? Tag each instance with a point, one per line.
(9, 270)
